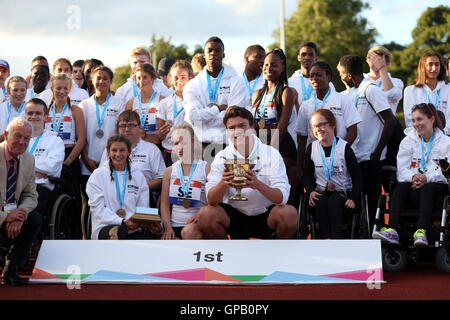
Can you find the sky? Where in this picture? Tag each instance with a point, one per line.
(108, 30)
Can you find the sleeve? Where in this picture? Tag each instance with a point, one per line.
(161, 113)
(395, 94)
(104, 158)
(157, 164)
(350, 113)
(436, 175)
(144, 193)
(196, 109)
(238, 93)
(278, 179)
(309, 171)
(54, 159)
(101, 214)
(404, 160)
(215, 174)
(355, 173)
(377, 98)
(408, 103)
(29, 197)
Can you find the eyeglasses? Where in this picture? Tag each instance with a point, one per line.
(128, 125)
(320, 125)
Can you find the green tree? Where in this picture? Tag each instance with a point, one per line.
(430, 34)
(337, 28)
(121, 74)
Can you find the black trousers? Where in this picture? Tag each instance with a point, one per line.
(19, 248)
(371, 179)
(427, 197)
(329, 211)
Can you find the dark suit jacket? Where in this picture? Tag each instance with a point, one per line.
(26, 194)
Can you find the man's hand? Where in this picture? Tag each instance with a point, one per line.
(16, 215)
(227, 178)
(378, 62)
(13, 229)
(252, 180)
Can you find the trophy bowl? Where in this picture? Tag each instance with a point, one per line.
(239, 167)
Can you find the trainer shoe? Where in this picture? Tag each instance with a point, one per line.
(388, 235)
(420, 238)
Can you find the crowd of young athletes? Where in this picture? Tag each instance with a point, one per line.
(167, 134)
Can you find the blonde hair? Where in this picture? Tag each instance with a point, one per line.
(198, 62)
(195, 142)
(181, 64)
(382, 51)
(140, 51)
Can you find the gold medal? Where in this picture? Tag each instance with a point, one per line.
(121, 213)
(331, 187)
(186, 204)
(262, 124)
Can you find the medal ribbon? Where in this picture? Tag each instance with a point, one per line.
(121, 197)
(4, 92)
(144, 117)
(247, 83)
(306, 92)
(32, 93)
(8, 105)
(437, 97)
(135, 88)
(264, 104)
(34, 144)
(184, 187)
(423, 160)
(213, 91)
(56, 127)
(323, 101)
(328, 169)
(97, 109)
(175, 111)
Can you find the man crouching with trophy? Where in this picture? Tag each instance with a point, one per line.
(247, 188)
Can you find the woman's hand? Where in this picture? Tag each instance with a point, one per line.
(313, 196)
(418, 181)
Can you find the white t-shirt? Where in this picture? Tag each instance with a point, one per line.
(269, 169)
(394, 95)
(371, 127)
(3, 94)
(48, 156)
(145, 157)
(76, 95)
(7, 114)
(103, 200)
(166, 112)
(130, 90)
(149, 123)
(94, 144)
(339, 103)
(415, 95)
(206, 119)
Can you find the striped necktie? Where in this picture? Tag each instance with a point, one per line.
(11, 183)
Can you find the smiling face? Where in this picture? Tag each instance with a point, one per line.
(61, 89)
(422, 123)
(144, 79)
(307, 56)
(179, 77)
(273, 67)
(17, 91)
(118, 153)
(17, 141)
(319, 78)
(255, 61)
(239, 130)
(214, 54)
(432, 67)
(101, 81)
(321, 128)
(35, 115)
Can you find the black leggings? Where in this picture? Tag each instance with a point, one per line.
(427, 197)
(329, 211)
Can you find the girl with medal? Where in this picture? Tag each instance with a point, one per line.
(146, 104)
(171, 109)
(115, 190)
(68, 122)
(15, 105)
(272, 107)
(418, 171)
(429, 87)
(331, 175)
(183, 190)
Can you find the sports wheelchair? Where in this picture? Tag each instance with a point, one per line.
(395, 257)
(355, 221)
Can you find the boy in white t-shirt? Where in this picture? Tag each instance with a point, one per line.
(266, 187)
(375, 129)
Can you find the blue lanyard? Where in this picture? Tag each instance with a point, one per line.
(144, 117)
(323, 101)
(328, 169)
(121, 197)
(97, 109)
(8, 105)
(252, 155)
(437, 97)
(4, 92)
(32, 93)
(380, 84)
(264, 103)
(184, 187)
(135, 88)
(175, 111)
(213, 91)
(306, 92)
(34, 144)
(424, 161)
(56, 127)
(247, 83)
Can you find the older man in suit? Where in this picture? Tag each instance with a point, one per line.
(19, 224)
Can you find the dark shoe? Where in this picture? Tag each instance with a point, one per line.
(3, 253)
(11, 276)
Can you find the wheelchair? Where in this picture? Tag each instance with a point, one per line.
(355, 221)
(395, 257)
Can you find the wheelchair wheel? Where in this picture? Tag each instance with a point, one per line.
(302, 227)
(354, 231)
(62, 210)
(364, 227)
(89, 226)
(394, 259)
(443, 260)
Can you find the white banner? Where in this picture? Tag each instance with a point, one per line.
(209, 261)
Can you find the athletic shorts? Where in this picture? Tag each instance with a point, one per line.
(243, 226)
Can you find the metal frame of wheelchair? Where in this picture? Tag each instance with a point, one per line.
(396, 258)
(359, 223)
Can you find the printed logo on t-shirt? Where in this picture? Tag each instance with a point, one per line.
(224, 90)
(176, 195)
